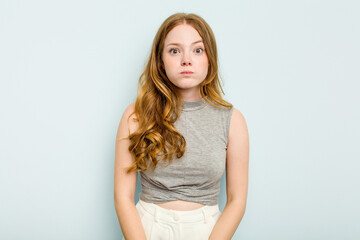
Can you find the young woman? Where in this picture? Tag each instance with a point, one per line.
(180, 134)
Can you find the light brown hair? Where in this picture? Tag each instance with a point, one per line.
(158, 104)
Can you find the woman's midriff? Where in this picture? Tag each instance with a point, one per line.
(181, 205)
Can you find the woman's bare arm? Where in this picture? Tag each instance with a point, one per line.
(125, 184)
(237, 165)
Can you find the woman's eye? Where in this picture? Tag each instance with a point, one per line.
(171, 50)
(176, 50)
(200, 49)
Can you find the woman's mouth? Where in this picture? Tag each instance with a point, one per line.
(186, 72)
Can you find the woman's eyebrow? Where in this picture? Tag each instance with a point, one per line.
(179, 44)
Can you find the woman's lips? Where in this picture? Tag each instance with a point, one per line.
(187, 73)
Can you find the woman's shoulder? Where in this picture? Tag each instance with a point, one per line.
(231, 113)
(129, 109)
(220, 108)
(237, 120)
(128, 123)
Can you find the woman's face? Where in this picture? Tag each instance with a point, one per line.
(185, 51)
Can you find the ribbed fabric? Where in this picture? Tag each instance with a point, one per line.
(196, 175)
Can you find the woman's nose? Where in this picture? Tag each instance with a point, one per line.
(186, 60)
(185, 63)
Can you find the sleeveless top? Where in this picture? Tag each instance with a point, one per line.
(196, 175)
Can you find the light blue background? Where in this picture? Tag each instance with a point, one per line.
(69, 69)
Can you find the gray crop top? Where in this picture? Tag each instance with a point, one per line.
(196, 175)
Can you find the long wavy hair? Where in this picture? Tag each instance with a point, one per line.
(158, 104)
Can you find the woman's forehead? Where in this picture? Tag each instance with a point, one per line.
(183, 34)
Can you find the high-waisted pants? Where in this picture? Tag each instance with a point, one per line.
(166, 224)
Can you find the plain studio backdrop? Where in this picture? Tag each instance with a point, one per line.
(68, 70)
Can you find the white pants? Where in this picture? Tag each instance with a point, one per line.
(165, 224)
